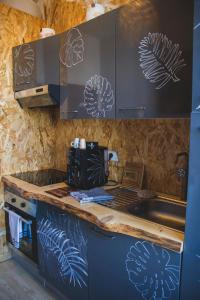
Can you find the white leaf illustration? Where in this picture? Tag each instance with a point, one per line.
(72, 52)
(160, 59)
(150, 271)
(71, 263)
(24, 57)
(98, 96)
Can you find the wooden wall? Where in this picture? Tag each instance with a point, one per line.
(157, 143)
(26, 137)
(62, 14)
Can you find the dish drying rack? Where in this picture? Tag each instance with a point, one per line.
(124, 197)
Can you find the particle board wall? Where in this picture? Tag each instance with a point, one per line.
(26, 136)
(157, 143)
(62, 15)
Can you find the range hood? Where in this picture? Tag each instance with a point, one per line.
(46, 95)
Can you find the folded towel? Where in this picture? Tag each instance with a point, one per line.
(92, 195)
(15, 224)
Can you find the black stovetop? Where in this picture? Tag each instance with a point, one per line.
(42, 177)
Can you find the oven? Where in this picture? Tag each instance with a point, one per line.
(25, 211)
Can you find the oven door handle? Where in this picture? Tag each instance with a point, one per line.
(25, 221)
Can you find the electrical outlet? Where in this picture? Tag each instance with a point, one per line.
(114, 155)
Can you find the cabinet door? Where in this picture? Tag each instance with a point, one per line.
(24, 66)
(62, 251)
(87, 69)
(196, 59)
(47, 61)
(154, 59)
(123, 267)
(36, 63)
(191, 258)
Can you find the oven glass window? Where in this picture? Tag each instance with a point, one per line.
(25, 241)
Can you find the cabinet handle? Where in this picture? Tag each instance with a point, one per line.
(71, 111)
(102, 233)
(26, 82)
(133, 108)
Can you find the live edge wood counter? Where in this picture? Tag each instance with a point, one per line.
(105, 218)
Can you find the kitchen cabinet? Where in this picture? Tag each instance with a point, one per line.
(191, 255)
(123, 267)
(85, 262)
(87, 69)
(62, 251)
(36, 63)
(190, 287)
(154, 59)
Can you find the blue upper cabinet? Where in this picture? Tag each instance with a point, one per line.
(24, 66)
(154, 59)
(36, 64)
(87, 69)
(196, 59)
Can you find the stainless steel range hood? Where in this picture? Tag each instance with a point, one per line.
(46, 95)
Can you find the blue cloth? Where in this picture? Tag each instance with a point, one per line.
(92, 195)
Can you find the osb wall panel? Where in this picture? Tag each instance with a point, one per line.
(62, 15)
(26, 137)
(157, 143)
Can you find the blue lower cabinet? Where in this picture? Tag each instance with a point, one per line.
(123, 267)
(62, 248)
(119, 266)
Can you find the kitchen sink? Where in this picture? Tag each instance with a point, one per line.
(165, 212)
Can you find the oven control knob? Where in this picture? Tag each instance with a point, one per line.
(13, 200)
(23, 204)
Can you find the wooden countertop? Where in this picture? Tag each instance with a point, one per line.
(104, 217)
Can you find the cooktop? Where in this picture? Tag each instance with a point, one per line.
(42, 177)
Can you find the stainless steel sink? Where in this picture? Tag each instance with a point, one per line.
(161, 211)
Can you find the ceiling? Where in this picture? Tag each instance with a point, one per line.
(37, 7)
(29, 6)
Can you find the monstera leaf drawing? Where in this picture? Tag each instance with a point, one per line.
(72, 52)
(150, 271)
(24, 57)
(71, 264)
(160, 59)
(98, 96)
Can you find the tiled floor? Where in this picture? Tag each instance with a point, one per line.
(17, 284)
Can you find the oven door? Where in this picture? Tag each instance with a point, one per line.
(27, 236)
